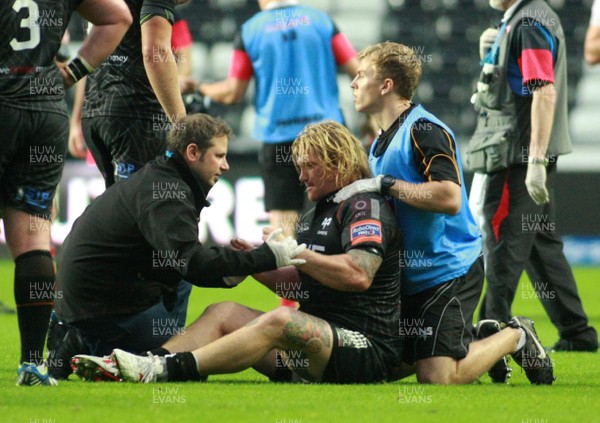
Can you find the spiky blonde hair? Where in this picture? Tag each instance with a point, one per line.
(335, 148)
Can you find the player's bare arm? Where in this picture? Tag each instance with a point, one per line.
(353, 271)
(161, 66)
(77, 146)
(282, 281)
(368, 261)
(111, 19)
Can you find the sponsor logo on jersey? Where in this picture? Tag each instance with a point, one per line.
(365, 231)
(117, 59)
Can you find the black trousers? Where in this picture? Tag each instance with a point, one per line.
(523, 236)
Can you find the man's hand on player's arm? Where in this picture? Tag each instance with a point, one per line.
(278, 281)
(359, 187)
(436, 196)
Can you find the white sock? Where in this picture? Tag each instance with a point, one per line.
(163, 374)
(522, 339)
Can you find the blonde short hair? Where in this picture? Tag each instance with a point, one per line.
(397, 62)
(335, 148)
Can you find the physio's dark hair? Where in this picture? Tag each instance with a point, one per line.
(198, 129)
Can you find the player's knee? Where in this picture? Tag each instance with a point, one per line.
(276, 319)
(223, 311)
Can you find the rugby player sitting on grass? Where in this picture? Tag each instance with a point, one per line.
(346, 330)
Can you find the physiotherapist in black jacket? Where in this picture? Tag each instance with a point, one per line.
(121, 264)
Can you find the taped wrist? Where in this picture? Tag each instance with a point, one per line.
(78, 68)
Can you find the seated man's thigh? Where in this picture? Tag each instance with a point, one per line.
(322, 352)
(306, 342)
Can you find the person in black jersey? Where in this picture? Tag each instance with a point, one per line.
(181, 45)
(346, 330)
(133, 99)
(33, 142)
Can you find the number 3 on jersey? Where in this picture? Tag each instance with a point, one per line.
(30, 23)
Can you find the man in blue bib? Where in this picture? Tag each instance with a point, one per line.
(441, 262)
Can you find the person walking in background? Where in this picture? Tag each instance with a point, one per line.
(292, 51)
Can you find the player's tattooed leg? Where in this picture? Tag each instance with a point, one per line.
(307, 333)
(308, 342)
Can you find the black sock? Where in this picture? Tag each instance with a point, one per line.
(182, 367)
(34, 296)
(282, 374)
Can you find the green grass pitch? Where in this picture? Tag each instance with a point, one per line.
(250, 397)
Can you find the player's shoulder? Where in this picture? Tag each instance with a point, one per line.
(367, 204)
(366, 197)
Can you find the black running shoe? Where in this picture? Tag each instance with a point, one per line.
(500, 372)
(532, 357)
